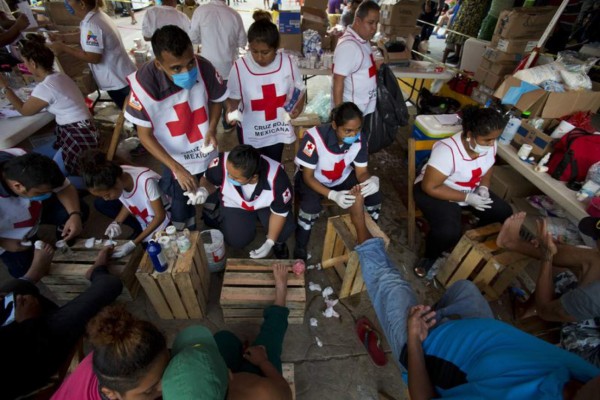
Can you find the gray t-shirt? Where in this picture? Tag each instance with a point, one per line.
(583, 302)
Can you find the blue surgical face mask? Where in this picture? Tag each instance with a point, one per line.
(351, 139)
(40, 197)
(187, 79)
(69, 8)
(234, 182)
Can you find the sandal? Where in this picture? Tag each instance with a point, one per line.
(420, 272)
(371, 340)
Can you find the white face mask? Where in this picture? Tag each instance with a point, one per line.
(479, 149)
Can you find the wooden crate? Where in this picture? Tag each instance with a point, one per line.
(66, 278)
(181, 292)
(478, 258)
(339, 259)
(249, 287)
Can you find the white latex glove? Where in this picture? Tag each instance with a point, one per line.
(343, 198)
(370, 186)
(263, 250)
(123, 250)
(113, 230)
(478, 202)
(197, 198)
(483, 191)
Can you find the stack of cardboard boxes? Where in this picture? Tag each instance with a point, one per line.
(397, 22)
(517, 33)
(314, 17)
(289, 31)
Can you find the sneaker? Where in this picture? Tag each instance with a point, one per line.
(138, 151)
(281, 251)
(300, 253)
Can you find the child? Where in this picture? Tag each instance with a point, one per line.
(135, 187)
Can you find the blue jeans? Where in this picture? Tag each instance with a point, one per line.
(392, 296)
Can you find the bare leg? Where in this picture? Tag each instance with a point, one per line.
(40, 264)
(357, 215)
(280, 273)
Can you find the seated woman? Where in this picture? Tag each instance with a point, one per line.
(127, 362)
(458, 175)
(325, 157)
(58, 94)
(126, 191)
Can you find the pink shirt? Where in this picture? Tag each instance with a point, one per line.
(82, 384)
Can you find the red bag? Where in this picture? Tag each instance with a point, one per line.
(573, 155)
(462, 84)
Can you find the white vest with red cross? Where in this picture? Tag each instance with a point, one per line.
(332, 168)
(19, 216)
(234, 199)
(263, 98)
(360, 87)
(138, 202)
(180, 123)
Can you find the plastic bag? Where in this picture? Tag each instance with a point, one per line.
(541, 73)
(311, 42)
(576, 62)
(594, 173)
(320, 104)
(553, 86)
(576, 80)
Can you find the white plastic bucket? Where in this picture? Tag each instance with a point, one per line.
(214, 246)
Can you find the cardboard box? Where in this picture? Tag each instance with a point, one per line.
(514, 45)
(485, 64)
(403, 13)
(320, 4)
(58, 14)
(314, 15)
(480, 74)
(399, 57)
(508, 183)
(552, 105)
(493, 80)
(524, 22)
(289, 22)
(540, 142)
(402, 31)
(315, 26)
(495, 55)
(292, 42)
(503, 68)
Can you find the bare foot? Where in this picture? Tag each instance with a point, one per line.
(280, 273)
(41, 263)
(357, 215)
(509, 234)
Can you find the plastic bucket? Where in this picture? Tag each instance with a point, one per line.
(214, 246)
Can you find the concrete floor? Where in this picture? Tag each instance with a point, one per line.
(341, 369)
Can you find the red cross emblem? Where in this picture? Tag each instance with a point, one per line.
(372, 69)
(142, 214)
(187, 122)
(475, 178)
(269, 103)
(246, 207)
(34, 214)
(309, 148)
(336, 172)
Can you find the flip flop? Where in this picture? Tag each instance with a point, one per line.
(371, 340)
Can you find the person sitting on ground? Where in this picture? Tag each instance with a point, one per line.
(456, 349)
(458, 175)
(27, 185)
(124, 192)
(58, 94)
(42, 335)
(165, 14)
(127, 361)
(198, 369)
(564, 297)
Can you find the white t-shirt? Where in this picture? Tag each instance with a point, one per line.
(64, 98)
(220, 30)
(159, 16)
(99, 35)
(464, 173)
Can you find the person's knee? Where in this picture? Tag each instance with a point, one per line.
(237, 238)
(446, 232)
(306, 219)
(466, 287)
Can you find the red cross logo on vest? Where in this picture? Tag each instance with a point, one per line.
(475, 178)
(269, 103)
(34, 213)
(336, 172)
(246, 207)
(372, 69)
(142, 214)
(187, 122)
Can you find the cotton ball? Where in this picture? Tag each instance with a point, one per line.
(314, 287)
(328, 291)
(89, 243)
(314, 322)
(318, 341)
(39, 245)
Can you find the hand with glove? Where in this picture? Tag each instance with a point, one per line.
(198, 197)
(263, 250)
(343, 198)
(483, 191)
(478, 202)
(113, 230)
(123, 250)
(370, 186)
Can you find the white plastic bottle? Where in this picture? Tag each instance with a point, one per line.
(510, 130)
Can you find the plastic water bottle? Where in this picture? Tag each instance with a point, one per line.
(159, 261)
(510, 130)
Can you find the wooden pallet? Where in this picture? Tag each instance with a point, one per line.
(339, 259)
(66, 277)
(249, 287)
(181, 292)
(478, 258)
